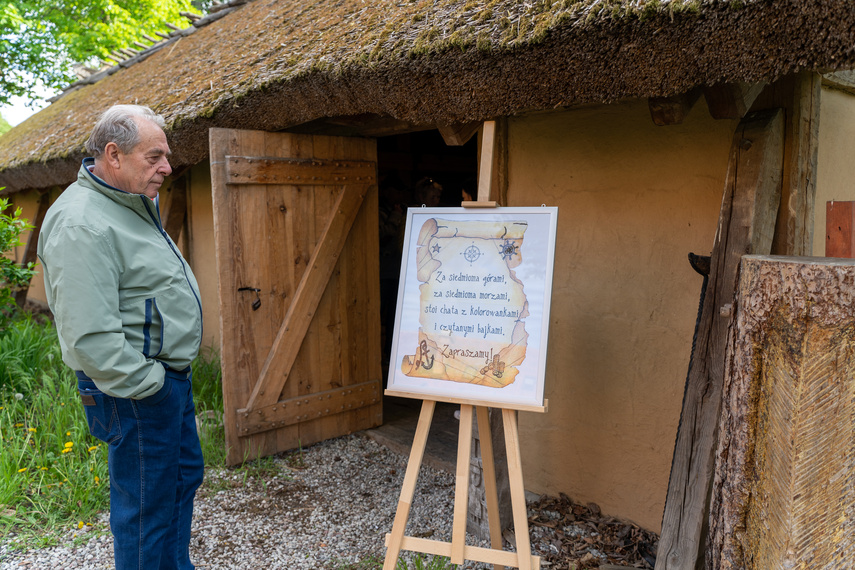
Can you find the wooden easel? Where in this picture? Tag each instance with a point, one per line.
(457, 550)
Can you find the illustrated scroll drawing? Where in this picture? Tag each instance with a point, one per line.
(473, 307)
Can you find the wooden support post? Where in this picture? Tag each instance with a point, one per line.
(746, 225)
(32, 243)
(840, 229)
(459, 133)
(794, 231)
(731, 100)
(784, 495)
(176, 209)
(672, 110)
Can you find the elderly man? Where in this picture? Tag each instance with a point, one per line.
(129, 319)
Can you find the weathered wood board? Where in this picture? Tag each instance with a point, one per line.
(746, 225)
(784, 494)
(299, 287)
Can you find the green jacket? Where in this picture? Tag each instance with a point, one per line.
(124, 299)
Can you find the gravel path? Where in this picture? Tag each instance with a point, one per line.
(335, 508)
(326, 508)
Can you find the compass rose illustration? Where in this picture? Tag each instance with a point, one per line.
(471, 253)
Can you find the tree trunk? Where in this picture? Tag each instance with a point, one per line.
(783, 493)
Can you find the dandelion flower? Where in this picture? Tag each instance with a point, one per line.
(19, 425)
(97, 479)
(31, 429)
(62, 403)
(69, 444)
(80, 524)
(68, 433)
(19, 396)
(22, 470)
(43, 468)
(66, 450)
(93, 448)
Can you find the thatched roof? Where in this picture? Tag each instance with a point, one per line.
(273, 64)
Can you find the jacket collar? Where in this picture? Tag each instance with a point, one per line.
(136, 202)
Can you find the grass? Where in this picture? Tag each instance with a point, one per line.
(53, 473)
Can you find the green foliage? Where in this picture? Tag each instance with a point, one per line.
(12, 275)
(4, 125)
(208, 397)
(53, 474)
(41, 40)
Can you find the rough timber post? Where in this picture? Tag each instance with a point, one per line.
(746, 225)
(784, 490)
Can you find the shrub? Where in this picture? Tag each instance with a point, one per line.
(12, 275)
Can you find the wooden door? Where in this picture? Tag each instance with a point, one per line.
(295, 225)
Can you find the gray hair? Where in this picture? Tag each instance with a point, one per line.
(118, 125)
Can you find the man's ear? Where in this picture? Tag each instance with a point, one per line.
(111, 155)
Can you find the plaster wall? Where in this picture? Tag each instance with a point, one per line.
(29, 204)
(634, 199)
(201, 251)
(835, 169)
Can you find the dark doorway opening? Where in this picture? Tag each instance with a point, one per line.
(414, 169)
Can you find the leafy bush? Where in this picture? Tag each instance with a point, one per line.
(12, 275)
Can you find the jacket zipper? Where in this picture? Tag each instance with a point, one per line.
(159, 226)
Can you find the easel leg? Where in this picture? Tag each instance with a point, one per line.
(461, 488)
(489, 474)
(409, 487)
(512, 444)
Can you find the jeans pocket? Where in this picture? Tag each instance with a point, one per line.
(101, 413)
(160, 395)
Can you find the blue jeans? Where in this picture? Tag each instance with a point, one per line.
(155, 464)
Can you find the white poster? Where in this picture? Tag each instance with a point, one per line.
(473, 305)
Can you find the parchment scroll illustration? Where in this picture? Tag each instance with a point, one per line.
(473, 307)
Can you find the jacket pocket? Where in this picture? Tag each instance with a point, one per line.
(152, 329)
(102, 416)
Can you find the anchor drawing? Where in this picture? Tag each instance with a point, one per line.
(424, 353)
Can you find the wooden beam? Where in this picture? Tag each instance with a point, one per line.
(731, 100)
(794, 231)
(252, 170)
(485, 160)
(32, 244)
(304, 408)
(783, 494)
(302, 309)
(840, 229)
(458, 134)
(672, 110)
(177, 208)
(746, 225)
(840, 80)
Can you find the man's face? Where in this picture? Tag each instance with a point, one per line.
(143, 169)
